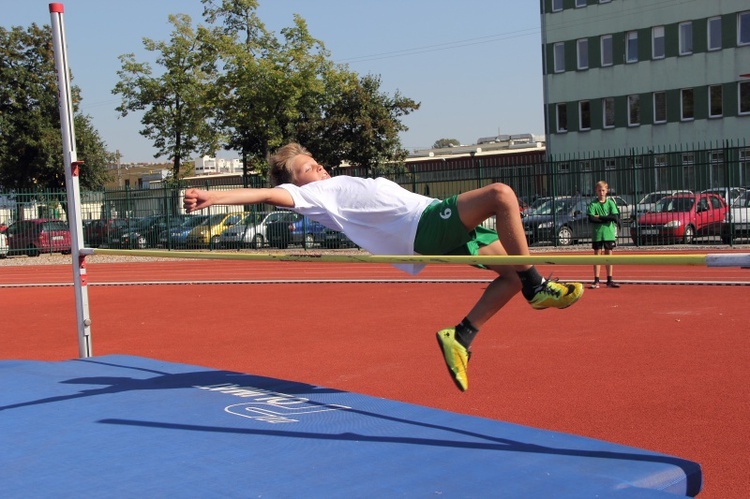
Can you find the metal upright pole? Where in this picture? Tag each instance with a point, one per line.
(72, 164)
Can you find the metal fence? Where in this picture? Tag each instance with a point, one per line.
(153, 217)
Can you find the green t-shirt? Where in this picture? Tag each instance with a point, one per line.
(606, 231)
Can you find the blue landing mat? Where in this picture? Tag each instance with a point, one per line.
(122, 426)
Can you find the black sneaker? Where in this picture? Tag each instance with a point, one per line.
(612, 284)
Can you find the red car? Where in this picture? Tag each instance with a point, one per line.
(39, 235)
(680, 218)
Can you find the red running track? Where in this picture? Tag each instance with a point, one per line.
(658, 367)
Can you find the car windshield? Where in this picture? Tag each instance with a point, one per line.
(651, 198)
(554, 206)
(743, 201)
(537, 203)
(55, 225)
(674, 205)
(194, 221)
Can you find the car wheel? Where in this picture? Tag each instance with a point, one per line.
(32, 251)
(257, 242)
(215, 241)
(726, 239)
(564, 236)
(689, 235)
(141, 243)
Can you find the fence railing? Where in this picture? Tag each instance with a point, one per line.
(153, 217)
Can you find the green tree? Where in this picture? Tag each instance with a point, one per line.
(264, 79)
(31, 153)
(276, 90)
(178, 105)
(359, 124)
(441, 143)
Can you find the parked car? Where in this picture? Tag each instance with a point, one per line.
(248, 234)
(39, 235)
(334, 239)
(536, 203)
(730, 194)
(98, 232)
(209, 232)
(175, 237)
(300, 230)
(143, 233)
(3, 244)
(624, 208)
(736, 224)
(648, 202)
(680, 218)
(123, 227)
(561, 219)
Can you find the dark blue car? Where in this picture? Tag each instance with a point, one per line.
(301, 230)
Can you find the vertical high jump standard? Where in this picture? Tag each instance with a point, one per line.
(72, 187)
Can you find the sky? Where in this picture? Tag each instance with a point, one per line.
(474, 66)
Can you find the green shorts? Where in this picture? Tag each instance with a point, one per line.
(441, 232)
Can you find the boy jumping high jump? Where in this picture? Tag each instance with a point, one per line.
(384, 218)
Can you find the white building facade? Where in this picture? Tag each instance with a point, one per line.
(624, 75)
(207, 165)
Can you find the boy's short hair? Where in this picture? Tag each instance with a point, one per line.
(281, 163)
(602, 183)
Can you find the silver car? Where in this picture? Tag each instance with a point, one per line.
(248, 234)
(736, 224)
(3, 245)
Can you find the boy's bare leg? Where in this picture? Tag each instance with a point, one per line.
(597, 270)
(497, 199)
(499, 292)
(474, 207)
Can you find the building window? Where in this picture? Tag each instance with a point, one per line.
(657, 42)
(743, 28)
(686, 101)
(562, 118)
(714, 33)
(557, 5)
(686, 38)
(715, 101)
(744, 90)
(581, 3)
(583, 53)
(606, 50)
(584, 115)
(604, 1)
(608, 110)
(634, 110)
(559, 57)
(631, 46)
(660, 107)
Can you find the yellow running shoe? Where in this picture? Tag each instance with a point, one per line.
(456, 357)
(555, 294)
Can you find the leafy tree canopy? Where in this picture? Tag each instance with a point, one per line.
(178, 104)
(274, 90)
(31, 153)
(440, 143)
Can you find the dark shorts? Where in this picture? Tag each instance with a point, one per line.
(441, 232)
(608, 245)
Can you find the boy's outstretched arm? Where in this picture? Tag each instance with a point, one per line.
(197, 199)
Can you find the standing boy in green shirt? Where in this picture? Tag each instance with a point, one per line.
(605, 219)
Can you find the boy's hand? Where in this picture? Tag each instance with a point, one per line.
(196, 199)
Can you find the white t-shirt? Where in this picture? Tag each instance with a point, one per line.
(378, 215)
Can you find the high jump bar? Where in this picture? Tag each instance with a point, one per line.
(697, 259)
